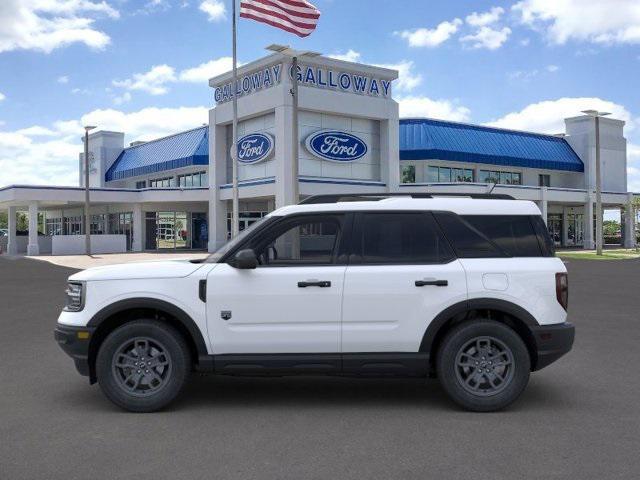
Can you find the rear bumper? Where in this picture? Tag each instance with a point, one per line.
(75, 343)
(552, 342)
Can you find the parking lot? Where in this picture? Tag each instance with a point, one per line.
(579, 418)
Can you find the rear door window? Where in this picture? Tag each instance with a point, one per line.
(399, 238)
(467, 241)
(514, 234)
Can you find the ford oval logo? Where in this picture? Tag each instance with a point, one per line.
(336, 146)
(255, 147)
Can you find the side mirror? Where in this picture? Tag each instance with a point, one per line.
(245, 260)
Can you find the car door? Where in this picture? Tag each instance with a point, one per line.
(401, 274)
(291, 303)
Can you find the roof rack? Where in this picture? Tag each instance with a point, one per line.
(373, 197)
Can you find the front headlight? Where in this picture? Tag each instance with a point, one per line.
(74, 297)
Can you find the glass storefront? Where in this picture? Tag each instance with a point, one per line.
(554, 225)
(176, 231)
(246, 219)
(575, 229)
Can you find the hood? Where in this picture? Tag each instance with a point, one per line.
(140, 270)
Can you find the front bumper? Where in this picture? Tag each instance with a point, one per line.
(552, 342)
(75, 343)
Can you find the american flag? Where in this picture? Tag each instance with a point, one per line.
(294, 16)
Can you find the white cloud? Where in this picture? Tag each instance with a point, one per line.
(420, 106)
(154, 81)
(2, 96)
(424, 37)
(486, 18)
(203, 72)
(548, 116)
(487, 37)
(349, 56)
(595, 21)
(63, 79)
(407, 78)
(525, 42)
(48, 155)
(120, 99)
(552, 68)
(214, 9)
(45, 25)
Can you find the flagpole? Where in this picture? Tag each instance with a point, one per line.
(294, 132)
(235, 222)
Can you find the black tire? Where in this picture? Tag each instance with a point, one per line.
(472, 345)
(133, 389)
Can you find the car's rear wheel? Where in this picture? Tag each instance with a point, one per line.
(483, 365)
(143, 365)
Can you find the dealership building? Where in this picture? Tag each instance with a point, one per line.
(175, 193)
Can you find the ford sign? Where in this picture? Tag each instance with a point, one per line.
(255, 147)
(336, 146)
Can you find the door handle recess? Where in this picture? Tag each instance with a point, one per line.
(314, 283)
(437, 283)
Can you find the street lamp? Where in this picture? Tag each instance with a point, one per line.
(87, 217)
(596, 114)
(294, 55)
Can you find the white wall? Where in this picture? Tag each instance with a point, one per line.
(105, 147)
(613, 147)
(74, 244)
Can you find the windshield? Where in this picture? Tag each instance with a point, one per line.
(231, 244)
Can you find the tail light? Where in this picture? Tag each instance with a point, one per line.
(562, 289)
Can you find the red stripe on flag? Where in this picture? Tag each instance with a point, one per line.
(296, 16)
(293, 13)
(273, 13)
(274, 24)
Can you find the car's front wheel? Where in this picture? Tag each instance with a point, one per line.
(143, 365)
(483, 365)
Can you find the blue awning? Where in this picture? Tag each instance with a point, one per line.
(183, 149)
(427, 139)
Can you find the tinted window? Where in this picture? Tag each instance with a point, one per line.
(466, 240)
(303, 241)
(544, 238)
(512, 233)
(408, 238)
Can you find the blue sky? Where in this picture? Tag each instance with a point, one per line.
(142, 66)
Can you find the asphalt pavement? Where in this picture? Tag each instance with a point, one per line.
(579, 418)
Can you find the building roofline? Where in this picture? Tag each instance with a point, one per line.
(147, 142)
(476, 126)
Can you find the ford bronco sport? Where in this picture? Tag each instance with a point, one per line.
(465, 289)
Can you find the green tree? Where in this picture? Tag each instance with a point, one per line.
(3, 220)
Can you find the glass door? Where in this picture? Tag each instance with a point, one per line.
(554, 225)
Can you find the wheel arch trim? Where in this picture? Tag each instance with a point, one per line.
(469, 305)
(156, 304)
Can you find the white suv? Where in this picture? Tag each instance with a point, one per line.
(467, 289)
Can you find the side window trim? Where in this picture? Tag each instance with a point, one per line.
(354, 254)
(288, 222)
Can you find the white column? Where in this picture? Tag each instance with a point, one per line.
(33, 247)
(629, 223)
(542, 204)
(218, 209)
(138, 219)
(284, 157)
(390, 152)
(589, 240)
(12, 246)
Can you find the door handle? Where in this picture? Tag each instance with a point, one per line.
(437, 283)
(314, 283)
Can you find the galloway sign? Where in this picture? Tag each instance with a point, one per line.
(328, 78)
(255, 147)
(248, 84)
(336, 146)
